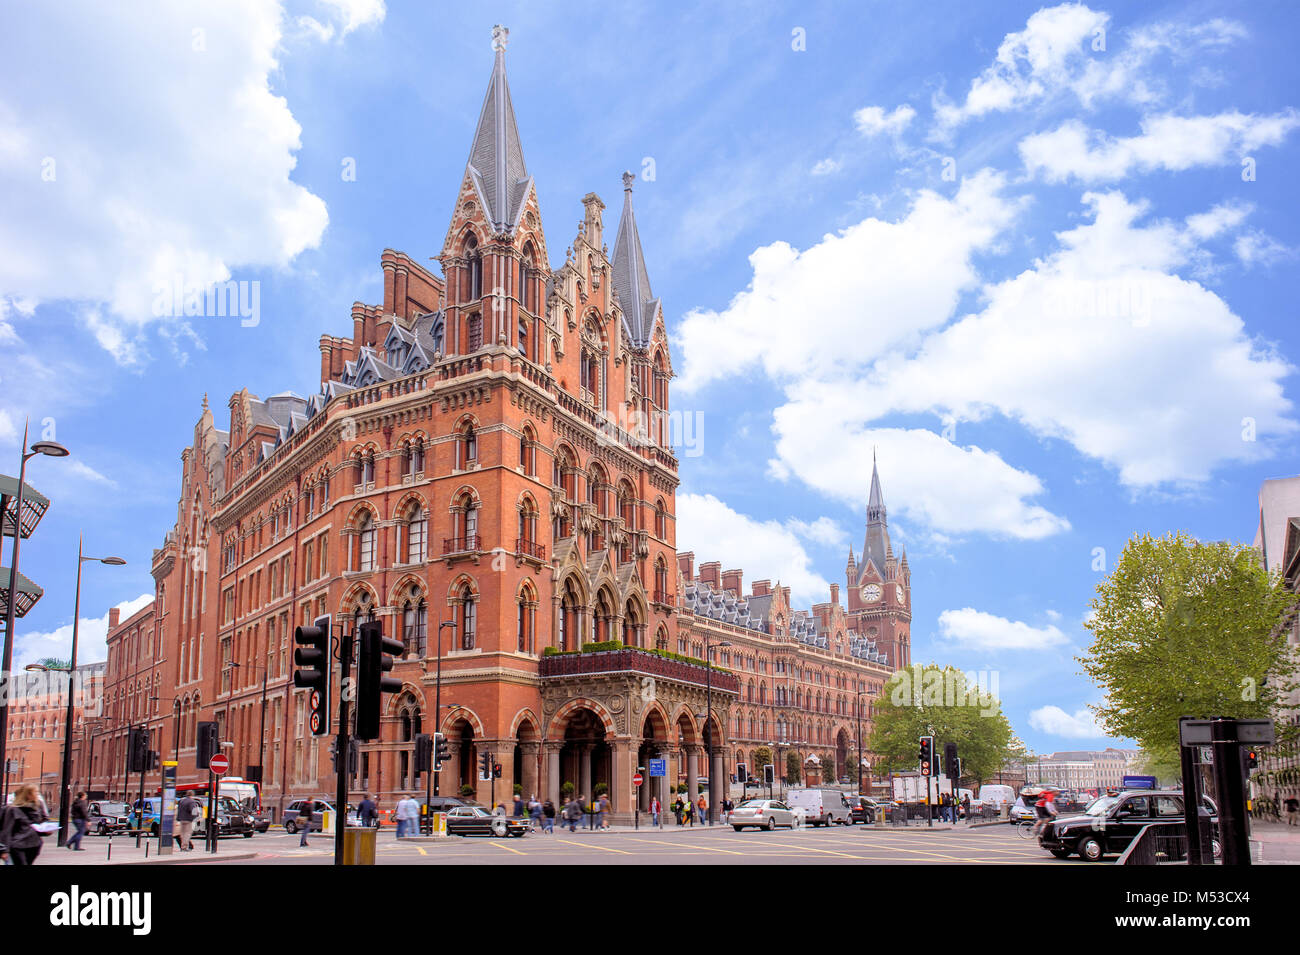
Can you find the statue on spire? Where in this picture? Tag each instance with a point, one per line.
(500, 37)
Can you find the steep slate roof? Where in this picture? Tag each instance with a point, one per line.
(496, 156)
(876, 549)
(631, 280)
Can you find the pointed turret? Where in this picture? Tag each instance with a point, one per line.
(631, 280)
(876, 549)
(496, 158)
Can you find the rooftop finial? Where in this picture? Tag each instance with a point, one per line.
(628, 179)
(500, 37)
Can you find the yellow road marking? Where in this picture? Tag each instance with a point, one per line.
(675, 848)
(829, 852)
(508, 848)
(585, 845)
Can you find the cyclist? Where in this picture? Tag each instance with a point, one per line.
(1045, 809)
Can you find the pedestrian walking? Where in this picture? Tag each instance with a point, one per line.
(80, 819)
(678, 809)
(187, 810)
(408, 815)
(367, 811)
(703, 807)
(304, 821)
(573, 812)
(518, 811)
(20, 840)
(1292, 811)
(965, 806)
(603, 815)
(654, 811)
(688, 813)
(548, 817)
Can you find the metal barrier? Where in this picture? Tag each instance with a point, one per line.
(1157, 843)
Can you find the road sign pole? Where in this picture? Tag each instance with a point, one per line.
(210, 830)
(1230, 789)
(1191, 800)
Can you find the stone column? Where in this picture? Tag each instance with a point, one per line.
(620, 786)
(717, 784)
(692, 773)
(552, 752)
(584, 770)
(528, 776)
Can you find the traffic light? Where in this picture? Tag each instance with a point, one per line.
(138, 749)
(207, 744)
(927, 755)
(951, 764)
(496, 770)
(769, 774)
(354, 756)
(1252, 759)
(441, 751)
(312, 657)
(742, 773)
(374, 661)
(423, 752)
(485, 765)
(151, 763)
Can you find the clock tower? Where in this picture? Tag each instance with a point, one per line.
(879, 588)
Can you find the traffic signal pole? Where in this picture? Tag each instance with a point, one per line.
(341, 747)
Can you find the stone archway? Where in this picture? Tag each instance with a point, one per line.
(586, 759)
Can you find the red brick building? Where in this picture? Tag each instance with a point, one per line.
(486, 470)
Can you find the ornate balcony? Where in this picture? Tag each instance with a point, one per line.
(461, 545)
(529, 548)
(631, 659)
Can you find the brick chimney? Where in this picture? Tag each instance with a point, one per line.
(762, 588)
(114, 615)
(711, 573)
(686, 564)
(835, 593)
(731, 580)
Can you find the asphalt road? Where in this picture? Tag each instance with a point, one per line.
(857, 845)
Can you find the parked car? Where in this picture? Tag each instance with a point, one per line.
(444, 803)
(1112, 822)
(232, 819)
(862, 809)
(1021, 814)
(477, 821)
(762, 814)
(108, 817)
(824, 806)
(289, 818)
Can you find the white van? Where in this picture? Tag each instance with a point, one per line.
(995, 796)
(823, 806)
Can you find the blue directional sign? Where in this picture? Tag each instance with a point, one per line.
(658, 767)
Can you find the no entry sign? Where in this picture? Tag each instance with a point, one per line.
(219, 764)
(636, 779)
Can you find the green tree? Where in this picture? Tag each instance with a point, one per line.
(1184, 628)
(939, 701)
(762, 757)
(793, 767)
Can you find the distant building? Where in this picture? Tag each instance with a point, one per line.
(38, 716)
(1277, 539)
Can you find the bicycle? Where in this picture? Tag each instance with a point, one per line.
(1030, 830)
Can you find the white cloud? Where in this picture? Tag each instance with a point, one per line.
(919, 267)
(1257, 248)
(1104, 345)
(873, 120)
(1224, 217)
(822, 531)
(1066, 50)
(823, 438)
(762, 549)
(825, 167)
(977, 630)
(1167, 142)
(116, 181)
(1054, 721)
(345, 16)
(90, 474)
(91, 635)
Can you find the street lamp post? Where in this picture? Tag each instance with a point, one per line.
(65, 796)
(54, 450)
(437, 702)
(858, 707)
(708, 725)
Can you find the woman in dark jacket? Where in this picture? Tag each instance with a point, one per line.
(18, 839)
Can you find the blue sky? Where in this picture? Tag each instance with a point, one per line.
(1040, 257)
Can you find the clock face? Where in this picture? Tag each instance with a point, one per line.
(902, 594)
(871, 593)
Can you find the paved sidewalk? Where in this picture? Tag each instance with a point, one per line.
(96, 851)
(1279, 844)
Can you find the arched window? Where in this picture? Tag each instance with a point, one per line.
(528, 452)
(475, 262)
(438, 332)
(415, 624)
(417, 533)
(468, 618)
(365, 552)
(368, 468)
(527, 527)
(661, 520)
(527, 619)
(466, 447)
(661, 581)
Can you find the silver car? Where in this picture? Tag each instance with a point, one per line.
(762, 814)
